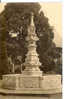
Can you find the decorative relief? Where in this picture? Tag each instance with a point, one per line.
(9, 82)
(29, 82)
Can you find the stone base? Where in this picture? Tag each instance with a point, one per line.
(18, 81)
(32, 73)
(16, 86)
(32, 84)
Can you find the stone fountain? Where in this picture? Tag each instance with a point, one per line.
(32, 80)
(32, 62)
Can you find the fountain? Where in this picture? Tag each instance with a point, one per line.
(32, 62)
(32, 80)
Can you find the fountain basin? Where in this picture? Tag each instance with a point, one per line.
(32, 84)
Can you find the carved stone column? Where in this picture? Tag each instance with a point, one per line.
(32, 62)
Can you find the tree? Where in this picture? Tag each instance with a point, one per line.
(3, 50)
(17, 17)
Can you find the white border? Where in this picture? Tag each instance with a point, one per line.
(63, 49)
(32, 0)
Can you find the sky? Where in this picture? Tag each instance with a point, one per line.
(54, 13)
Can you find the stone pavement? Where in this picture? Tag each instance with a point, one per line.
(56, 96)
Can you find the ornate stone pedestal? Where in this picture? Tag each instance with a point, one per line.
(32, 62)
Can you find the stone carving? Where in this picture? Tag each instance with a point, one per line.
(9, 82)
(29, 82)
(32, 62)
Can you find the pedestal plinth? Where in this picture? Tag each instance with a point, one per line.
(32, 73)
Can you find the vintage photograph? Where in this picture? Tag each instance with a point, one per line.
(31, 50)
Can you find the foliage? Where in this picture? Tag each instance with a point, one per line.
(17, 17)
(3, 50)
